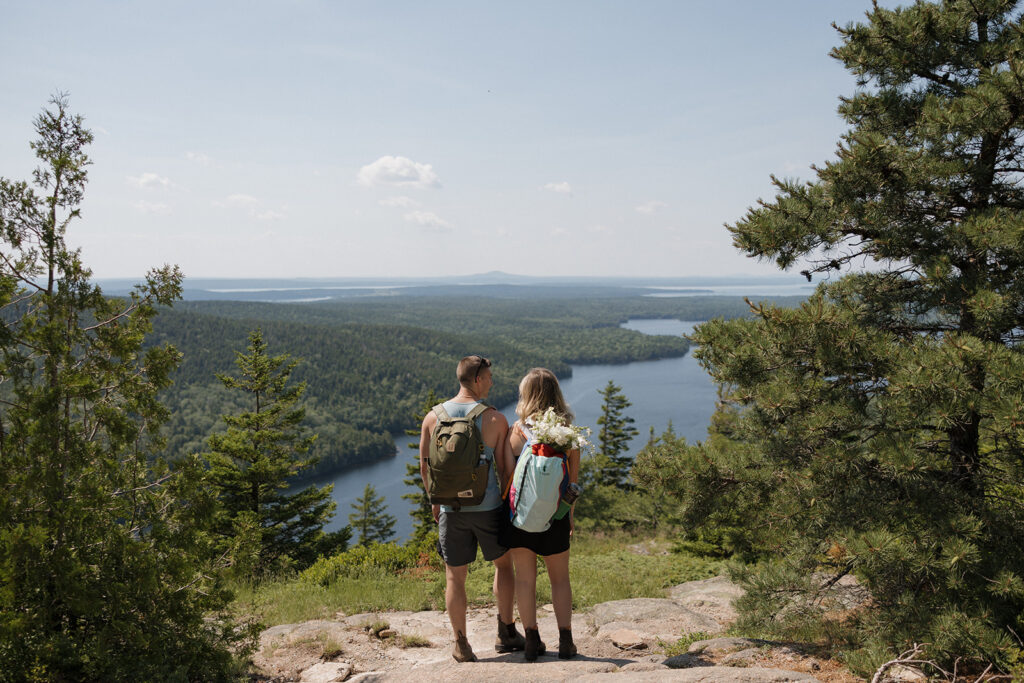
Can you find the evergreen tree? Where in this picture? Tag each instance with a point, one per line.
(616, 431)
(421, 513)
(370, 518)
(878, 428)
(106, 570)
(252, 462)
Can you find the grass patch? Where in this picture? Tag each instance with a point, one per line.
(323, 645)
(386, 579)
(413, 641)
(681, 646)
(602, 569)
(290, 600)
(375, 627)
(331, 649)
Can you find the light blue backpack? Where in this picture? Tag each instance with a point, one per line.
(537, 486)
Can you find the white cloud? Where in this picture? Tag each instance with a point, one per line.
(651, 207)
(561, 188)
(152, 207)
(427, 219)
(398, 172)
(599, 229)
(252, 206)
(147, 180)
(269, 215)
(239, 201)
(399, 203)
(199, 158)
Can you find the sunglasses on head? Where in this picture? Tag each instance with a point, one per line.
(483, 363)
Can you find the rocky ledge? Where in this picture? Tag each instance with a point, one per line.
(624, 639)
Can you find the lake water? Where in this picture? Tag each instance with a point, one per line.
(675, 390)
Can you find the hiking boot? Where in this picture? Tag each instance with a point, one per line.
(566, 648)
(463, 652)
(534, 645)
(508, 639)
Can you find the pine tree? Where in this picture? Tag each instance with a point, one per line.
(616, 431)
(251, 464)
(370, 518)
(106, 569)
(421, 513)
(878, 428)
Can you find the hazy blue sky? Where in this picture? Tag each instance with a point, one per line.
(334, 138)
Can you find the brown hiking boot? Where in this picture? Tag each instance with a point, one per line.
(534, 645)
(463, 652)
(566, 648)
(508, 639)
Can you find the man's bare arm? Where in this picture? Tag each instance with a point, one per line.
(496, 435)
(425, 431)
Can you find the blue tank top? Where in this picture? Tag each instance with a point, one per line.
(492, 496)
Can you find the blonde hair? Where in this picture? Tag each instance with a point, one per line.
(539, 391)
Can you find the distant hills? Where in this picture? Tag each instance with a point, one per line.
(494, 284)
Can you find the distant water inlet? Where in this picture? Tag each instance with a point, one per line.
(673, 390)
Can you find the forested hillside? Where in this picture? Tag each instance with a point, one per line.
(368, 364)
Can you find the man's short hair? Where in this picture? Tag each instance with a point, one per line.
(469, 369)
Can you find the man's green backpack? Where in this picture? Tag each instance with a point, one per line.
(456, 468)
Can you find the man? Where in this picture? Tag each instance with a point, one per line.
(462, 530)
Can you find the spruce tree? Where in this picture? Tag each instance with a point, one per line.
(878, 427)
(371, 519)
(264, 526)
(616, 431)
(106, 568)
(421, 512)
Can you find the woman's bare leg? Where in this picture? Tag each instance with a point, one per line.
(561, 590)
(525, 562)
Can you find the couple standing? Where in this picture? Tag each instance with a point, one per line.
(487, 524)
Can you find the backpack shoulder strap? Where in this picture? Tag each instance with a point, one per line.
(478, 410)
(525, 429)
(440, 412)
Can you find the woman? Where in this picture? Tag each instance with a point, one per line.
(539, 391)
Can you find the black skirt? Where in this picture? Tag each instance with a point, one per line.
(551, 542)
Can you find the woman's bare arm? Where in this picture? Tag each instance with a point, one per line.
(574, 465)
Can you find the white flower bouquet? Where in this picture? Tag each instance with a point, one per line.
(549, 429)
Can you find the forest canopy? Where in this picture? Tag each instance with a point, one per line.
(368, 364)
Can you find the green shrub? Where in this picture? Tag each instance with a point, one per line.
(389, 558)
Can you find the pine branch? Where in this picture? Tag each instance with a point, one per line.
(21, 278)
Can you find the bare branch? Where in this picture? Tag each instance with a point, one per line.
(21, 277)
(17, 301)
(122, 314)
(156, 482)
(907, 657)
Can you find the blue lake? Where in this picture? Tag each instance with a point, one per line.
(673, 390)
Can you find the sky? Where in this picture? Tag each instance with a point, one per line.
(336, 138)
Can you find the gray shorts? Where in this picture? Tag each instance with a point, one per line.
(460, 532)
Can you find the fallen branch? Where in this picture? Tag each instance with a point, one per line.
(908, 657)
